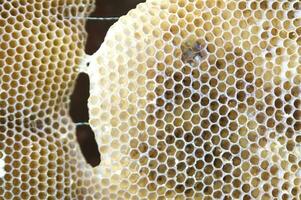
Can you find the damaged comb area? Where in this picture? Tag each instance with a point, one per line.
(199, 100)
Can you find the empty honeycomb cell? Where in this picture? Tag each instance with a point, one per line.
(207, 93)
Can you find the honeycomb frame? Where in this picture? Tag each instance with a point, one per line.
(199, 100)
(40, 50)
(189, 100)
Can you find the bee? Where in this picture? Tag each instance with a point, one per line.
(193, 52)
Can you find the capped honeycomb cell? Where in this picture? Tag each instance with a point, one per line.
(199, 100)
(40, 48)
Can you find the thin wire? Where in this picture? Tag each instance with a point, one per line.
(95, 18)
(82, 124)
(86, 17)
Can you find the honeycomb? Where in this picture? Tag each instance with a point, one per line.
(40, 48)
(196, 99)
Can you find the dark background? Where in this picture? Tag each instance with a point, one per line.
(96, 32)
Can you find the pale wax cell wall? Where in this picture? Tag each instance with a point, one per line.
(199, 100)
